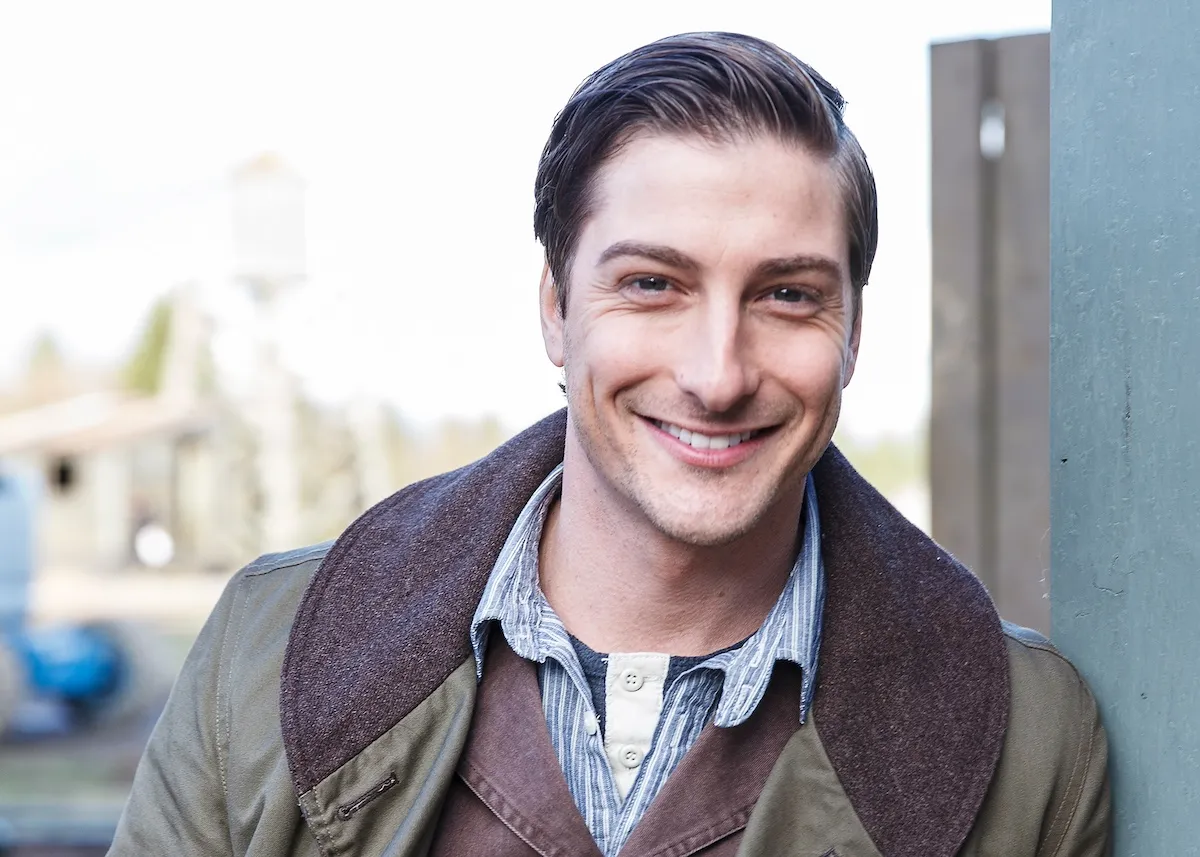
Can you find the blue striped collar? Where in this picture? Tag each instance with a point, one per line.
(791, 631)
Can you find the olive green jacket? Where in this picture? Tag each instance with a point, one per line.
(325, 706)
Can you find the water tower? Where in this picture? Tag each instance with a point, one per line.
(269, 261)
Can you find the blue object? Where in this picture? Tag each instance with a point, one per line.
(79, 665)
(18, 500)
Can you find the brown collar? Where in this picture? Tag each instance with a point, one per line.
(912, 682)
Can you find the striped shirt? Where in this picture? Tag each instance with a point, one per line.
(725, 689)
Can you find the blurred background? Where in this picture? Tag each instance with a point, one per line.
(262, 264)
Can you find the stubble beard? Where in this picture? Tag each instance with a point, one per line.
(634, 488)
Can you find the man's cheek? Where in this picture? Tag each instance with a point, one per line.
(620, 354)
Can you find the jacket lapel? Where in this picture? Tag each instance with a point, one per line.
(712, 792)
(803, 810)
(386, 618)
(912, 679)
(386, 800)
(510, 764)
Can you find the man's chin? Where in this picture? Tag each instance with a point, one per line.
(703, 529)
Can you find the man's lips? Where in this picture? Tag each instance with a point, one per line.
(710, 439)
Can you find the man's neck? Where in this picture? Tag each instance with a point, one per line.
(621, 585)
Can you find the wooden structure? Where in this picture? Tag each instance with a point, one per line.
(989, 424)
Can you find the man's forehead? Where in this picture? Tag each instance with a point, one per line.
(687, 194)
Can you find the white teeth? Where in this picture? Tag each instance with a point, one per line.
(704, 441)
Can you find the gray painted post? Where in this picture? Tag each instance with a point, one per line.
(990, 415)
(1125, 396)
(958, 440)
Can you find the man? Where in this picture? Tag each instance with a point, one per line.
(671, 620)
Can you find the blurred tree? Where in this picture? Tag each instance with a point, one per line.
(891, 463)
(143, 371)
(48, 376)
(206, 372)
(45, 356)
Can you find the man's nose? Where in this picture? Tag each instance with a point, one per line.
(717, 364)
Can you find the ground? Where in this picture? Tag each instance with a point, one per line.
(75, 785)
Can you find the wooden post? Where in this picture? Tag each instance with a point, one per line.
(990, 409)
(1125, 383)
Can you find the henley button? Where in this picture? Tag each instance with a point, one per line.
(631, 757)
(632, 680)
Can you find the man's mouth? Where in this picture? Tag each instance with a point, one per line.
(706, 441)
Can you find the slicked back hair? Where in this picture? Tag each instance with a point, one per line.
(719, 86)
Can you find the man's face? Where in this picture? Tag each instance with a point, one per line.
(710, 329)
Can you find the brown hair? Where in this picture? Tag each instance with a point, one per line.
(717, 85)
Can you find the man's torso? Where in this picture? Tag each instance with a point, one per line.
(343, 680)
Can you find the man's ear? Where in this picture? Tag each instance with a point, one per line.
(552, 320)
(851, 358)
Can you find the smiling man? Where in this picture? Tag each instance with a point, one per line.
(672, 619)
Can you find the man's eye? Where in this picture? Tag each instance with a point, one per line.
(651, 284)
(791, 296)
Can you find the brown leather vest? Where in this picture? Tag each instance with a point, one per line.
(510, 798)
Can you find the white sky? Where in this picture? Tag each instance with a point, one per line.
(417, 129)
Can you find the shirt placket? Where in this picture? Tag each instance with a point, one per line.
(701, 686)
(598, 804)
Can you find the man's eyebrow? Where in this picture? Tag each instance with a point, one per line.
(657, 252)
(799, 264)
(782, 267)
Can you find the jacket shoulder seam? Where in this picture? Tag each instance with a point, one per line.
(1031, 639)
(237, 612)
(1083, 757)
(1084, 760)
(1045, 645)
(282, 561)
